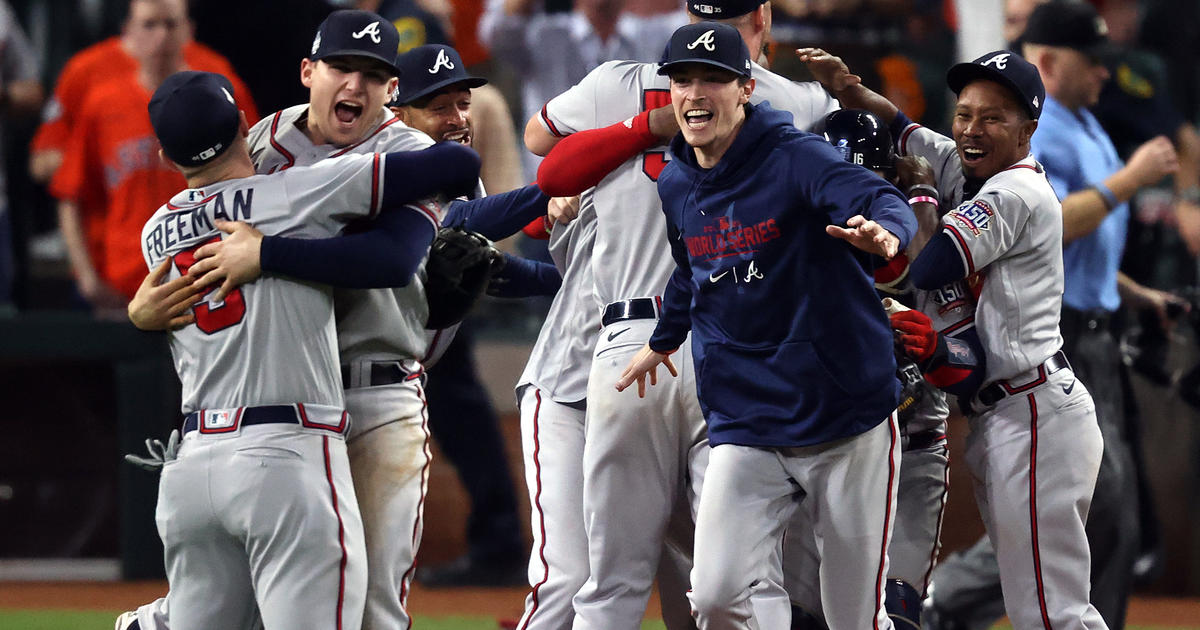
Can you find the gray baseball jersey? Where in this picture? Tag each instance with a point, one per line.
(219, 359)
(1009, 230)
(375, 323)
(640, 266)
(558, 363)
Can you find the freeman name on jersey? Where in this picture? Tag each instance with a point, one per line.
(193, 222)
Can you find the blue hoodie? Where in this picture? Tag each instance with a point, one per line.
(791, 344)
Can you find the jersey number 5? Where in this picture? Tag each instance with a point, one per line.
(210, 318)
(653, 162)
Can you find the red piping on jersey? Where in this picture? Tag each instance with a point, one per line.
(904, 137)
(387, 123)
(881, 574)
(937, 536)
(432, 344)
(962, 245)
(959, 325)
(428, 214)
(341, 532)
(537, 504)
(549, 123)
(1032, 168)
(416, 529)
(374, 184)
(1033, 521)
(291, 159)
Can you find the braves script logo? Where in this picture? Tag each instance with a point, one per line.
(974, 215)
(443, 61)
(707, 39)
(1000, 61)
(371, 29)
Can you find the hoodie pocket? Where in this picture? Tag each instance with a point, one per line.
(786, 382)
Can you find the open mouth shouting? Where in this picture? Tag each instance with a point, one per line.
(462, 136)
(697, 119)
(972, 155)
(348, 112)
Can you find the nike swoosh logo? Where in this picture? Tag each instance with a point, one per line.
(1067, 389)
(718, 276)
(612, 336)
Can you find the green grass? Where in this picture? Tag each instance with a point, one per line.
(91, 620)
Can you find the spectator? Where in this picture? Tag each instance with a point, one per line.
(20, 93)
(551, 51)
(111, 177)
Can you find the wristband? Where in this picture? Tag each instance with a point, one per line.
(923, 190)
(1110, 200)
(923, 199)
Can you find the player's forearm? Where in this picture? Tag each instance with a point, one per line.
(1084, 210)
(447, 168)
(938, 265)
(861, 97)
(1187, 147)
(387, 255)
(522, 277)
(582, 159)
(675, 318)
(957, 365)
(498, 216)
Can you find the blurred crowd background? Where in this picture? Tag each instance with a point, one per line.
(77, 182)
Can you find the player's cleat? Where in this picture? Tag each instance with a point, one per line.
(464, 571)
(127, 621)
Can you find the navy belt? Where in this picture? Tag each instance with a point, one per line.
(997, 391)
(636, 308)
(266, 414)
(382, 373)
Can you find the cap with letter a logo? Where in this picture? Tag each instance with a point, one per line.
(427, 69)
(1008, 69)
(194, 116)
(709, 43)
(352, 33)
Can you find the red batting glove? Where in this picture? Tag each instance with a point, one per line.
(916, 333)
(538, 228)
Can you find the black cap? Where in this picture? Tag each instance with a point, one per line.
(722, 9)
(1068, 25)
(427, 69)
(710, 43)
(860, 137)
(194, 116)
(1008, 69)
(356, 34)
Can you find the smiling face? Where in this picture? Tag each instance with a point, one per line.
(708, 107)
(346, 95)
(445, 117)
(991, 128)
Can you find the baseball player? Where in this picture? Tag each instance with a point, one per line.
(656, 444)
(351, 72)
(861, 138)
(804, 392)
(279, 533)
(381, 332)
(1034, 448)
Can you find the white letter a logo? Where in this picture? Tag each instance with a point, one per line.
(710, 43)
(443, 61)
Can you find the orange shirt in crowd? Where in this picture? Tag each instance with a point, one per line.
(93, 66)
(112, 157)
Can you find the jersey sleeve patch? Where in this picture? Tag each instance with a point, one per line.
(975, 215)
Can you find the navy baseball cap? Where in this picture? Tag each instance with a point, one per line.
(1008, 69)
(722, 9)
(710, 43)
(1068, 25)
(353, 33)
(427, 69)
(194, 116)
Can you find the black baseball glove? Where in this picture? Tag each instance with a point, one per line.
(460, 265)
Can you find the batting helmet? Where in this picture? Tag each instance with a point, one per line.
(860, 137)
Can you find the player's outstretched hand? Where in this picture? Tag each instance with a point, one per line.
(159, 305)
(829, 70)
(232, 261)
(645, 361)
(563, 209)
(157, 453)
(866, 235)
